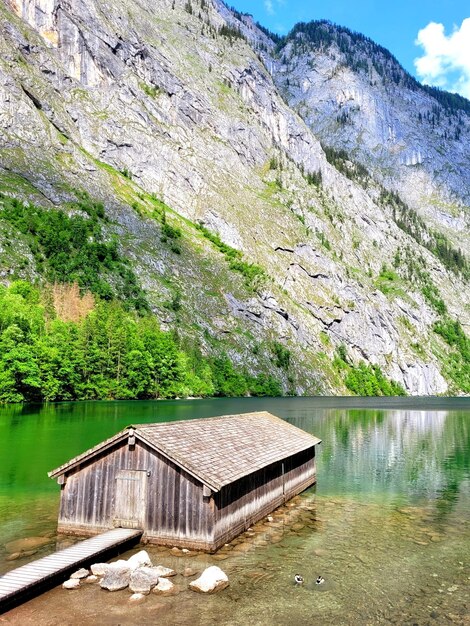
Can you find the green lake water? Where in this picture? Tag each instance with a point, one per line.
(387, 525)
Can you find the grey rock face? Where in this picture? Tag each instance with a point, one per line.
(418, 378)
(400, 132)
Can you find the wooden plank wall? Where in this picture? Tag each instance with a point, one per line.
(240, 504)
(177, 513)
(299, 470)
(176, 507)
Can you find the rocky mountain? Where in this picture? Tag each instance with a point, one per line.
(355, 96)
(303, 201)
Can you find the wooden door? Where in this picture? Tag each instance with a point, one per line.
(130, 499)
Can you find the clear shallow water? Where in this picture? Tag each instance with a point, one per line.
(388, 524)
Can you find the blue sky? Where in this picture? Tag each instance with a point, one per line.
(444, 50)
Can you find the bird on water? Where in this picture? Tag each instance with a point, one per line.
(320, 580)
(298, 579)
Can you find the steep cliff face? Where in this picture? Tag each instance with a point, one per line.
(181, 103)
(355, 96)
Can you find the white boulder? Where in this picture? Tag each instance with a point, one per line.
(99, 569)
(211, 580)
(143, 579)
(72, 583)
(136, 597)
(91, 579)
(141, 559)
(81, 573)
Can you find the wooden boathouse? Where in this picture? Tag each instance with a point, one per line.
(194, 483)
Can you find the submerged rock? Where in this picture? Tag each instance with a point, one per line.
(72, 583)
(28, 553)
(320, 552)
(136, 597)
(26, 544)
(117, 576)
(211, 580)
(189, 571)
(81, 573)
(164, 572)
(243, 547)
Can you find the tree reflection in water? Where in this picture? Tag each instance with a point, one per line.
(392, 455)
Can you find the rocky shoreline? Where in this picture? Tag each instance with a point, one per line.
(141, 577)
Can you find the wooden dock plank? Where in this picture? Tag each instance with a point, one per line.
(12, 584)
(21, 577)
(22, 580)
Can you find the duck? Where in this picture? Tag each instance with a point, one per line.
(320, 580)
(298, 579)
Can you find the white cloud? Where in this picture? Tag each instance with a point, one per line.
(268, 5)
(271, 6)
(446, 60)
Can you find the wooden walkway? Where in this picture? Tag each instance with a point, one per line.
(24, 582)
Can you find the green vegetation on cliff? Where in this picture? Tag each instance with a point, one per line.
(71, 247)
(411, 223)
(364, 379)
(58, 345)
(87, 332)
(457, 362)
(369, 380)
(252, 273)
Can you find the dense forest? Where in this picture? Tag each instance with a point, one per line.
(56, 344)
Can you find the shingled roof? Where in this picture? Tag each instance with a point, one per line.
(216, 450)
